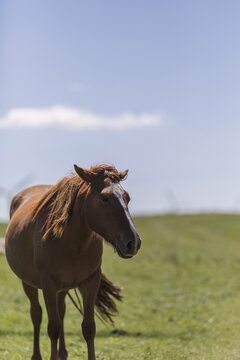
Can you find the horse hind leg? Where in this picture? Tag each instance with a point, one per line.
(36, 316)
(62, 352)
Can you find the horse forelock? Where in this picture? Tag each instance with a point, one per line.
(59, 200)
(104, 171)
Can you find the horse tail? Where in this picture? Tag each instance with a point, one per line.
(105, 305)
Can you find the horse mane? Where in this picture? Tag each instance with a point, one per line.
(58, 201)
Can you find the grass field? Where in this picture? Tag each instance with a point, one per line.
(182, 297)
(3, 228)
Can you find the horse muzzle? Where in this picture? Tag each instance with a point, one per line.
(126, 249)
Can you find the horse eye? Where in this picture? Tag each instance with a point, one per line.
(104, 198)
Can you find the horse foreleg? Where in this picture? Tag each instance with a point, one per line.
(62, 352)
(54, 323)
(36, 315)
(89, 290)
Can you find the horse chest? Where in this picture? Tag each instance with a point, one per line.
(71, 269)
(72, 276)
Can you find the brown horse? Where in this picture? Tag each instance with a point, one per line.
(54, 243)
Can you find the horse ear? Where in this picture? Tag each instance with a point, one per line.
(86, 175)
(123, 175)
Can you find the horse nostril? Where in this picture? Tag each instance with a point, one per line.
(129, 245)
(139, 244)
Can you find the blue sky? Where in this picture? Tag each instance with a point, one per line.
(159, 82)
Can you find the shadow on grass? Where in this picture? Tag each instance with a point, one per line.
(183, 336)
(187, 335)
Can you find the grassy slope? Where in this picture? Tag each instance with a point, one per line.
(182, 296)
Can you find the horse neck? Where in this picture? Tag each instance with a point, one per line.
(77, 230)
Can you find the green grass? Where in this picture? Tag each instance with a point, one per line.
(3, 228)
(182, 297)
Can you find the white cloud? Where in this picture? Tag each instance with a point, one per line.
(73, 118)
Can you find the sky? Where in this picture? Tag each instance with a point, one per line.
(149, 86)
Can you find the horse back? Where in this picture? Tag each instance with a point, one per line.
(31, 193)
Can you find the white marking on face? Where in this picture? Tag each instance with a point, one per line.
(118, 192)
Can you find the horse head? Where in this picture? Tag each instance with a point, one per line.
(106, 209)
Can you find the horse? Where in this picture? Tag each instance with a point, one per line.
(54, 242)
